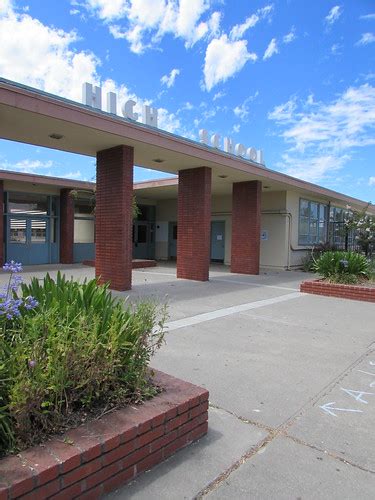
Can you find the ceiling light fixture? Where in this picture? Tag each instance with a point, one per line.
(158, 160)
(223, 176)
(57, 137)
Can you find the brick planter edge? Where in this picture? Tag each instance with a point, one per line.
(104, 454)
(353, 292)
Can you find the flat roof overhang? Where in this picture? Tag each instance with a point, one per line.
(31, 116)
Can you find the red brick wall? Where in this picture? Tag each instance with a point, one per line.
(104, 454)
(246, 227)
(66, 226)
(114, 217)
(353, 292)
(194, 223)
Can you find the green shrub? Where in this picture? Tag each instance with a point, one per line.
(79, 350)
(342, 267)
(307, 262)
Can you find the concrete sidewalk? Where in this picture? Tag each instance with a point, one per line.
(292, 388)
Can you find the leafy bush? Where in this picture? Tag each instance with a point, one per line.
(78, 351)
(307, 262)
(342, 267)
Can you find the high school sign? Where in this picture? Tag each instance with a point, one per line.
(92, 96)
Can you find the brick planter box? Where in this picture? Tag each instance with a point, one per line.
(136, 264)
(102, 455)
(353, 292)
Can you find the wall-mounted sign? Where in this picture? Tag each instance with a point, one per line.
(230, 147)
(92, 96)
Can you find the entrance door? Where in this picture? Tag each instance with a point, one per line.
(143, 240)
(217, 240)
(172, 243)
(28, 240)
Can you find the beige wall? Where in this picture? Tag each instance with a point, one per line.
(26, 187)
(84, 231)
(273, 250)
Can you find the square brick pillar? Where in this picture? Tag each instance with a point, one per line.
(1, 223)
(66, 226)
(245, 253)
(194, 223)
(114, 216)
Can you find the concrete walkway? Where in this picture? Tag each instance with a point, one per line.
(292, 388)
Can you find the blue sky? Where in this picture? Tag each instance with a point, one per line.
(292, 77)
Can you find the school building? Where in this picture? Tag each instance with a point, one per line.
(221, 206)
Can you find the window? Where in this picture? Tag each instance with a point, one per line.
(313, 219)
(27, 203)
(84, 221)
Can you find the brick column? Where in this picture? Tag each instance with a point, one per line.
(194, 223)
(1, 223)
(66, 226)
(114, 217)
(246, 227)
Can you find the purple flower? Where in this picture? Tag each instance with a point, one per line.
(30, 303)
(13, 267)
(32, 363)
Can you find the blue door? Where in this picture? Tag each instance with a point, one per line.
(28, 240)
(218, 240)
(143, 240)
(172, 241)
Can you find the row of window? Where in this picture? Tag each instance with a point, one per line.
(319, 222)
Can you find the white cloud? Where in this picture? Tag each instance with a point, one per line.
(289, 37)
(366, 38)
(107, 9)
(239, 30)
(322, 136)
(336, 49)
(27, 166)
(218, 95)
(368, 17)
(224, 58)
(312, 168)
(333, 14)
(236, 128)
(283, 112)
(143, 23)
(45, 58)
(5, 6)
(169, 80)
(271, 49)
(242, 111)
(371, 181)
(72, 175)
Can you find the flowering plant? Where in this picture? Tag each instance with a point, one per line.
(10, 304)
(363, 225)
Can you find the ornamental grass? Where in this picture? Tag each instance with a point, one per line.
(342, 267)
(69, 352)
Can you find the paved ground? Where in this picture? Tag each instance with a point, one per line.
(292, 388)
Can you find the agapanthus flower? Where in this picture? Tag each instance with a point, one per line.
(30, 303)
(13, 266)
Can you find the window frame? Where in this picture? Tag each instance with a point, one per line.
(322, 217)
